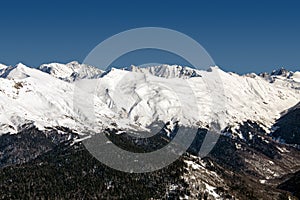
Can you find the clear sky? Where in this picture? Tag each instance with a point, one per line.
(241, 36)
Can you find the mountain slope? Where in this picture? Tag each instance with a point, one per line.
(287, 127)
(71, 71)
(30, 95)
(296, 77)
(234, 169)
(137, 99)
(2, 67)
(166, 71)
(46, 159)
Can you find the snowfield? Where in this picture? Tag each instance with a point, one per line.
(82, 97)
(296, 77)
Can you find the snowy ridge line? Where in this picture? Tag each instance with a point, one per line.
(45, 96)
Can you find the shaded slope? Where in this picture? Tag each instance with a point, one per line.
(288, 126)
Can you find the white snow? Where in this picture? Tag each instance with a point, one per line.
(194, 165)
(2, 66)
(166, 71)
(296, 77)
(71, 71)
(211, 191)
(80, 139)
(238, 146)
(282, 149)
(17, 72)
(134, 99)
(262, 181)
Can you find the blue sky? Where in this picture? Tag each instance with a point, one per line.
(241, 36)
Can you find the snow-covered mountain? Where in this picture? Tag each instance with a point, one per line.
(281, 74)
(2, 67)
(137, 97)
(166, 71)
(296, 77)
(71, 71)
(42, 106)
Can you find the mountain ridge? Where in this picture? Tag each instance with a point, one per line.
(280, 71)
(22, 85)
(40, 130)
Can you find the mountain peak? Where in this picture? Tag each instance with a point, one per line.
(71, 71)
(73, 63)
(19, 71)
(213, 68)
(281, 72)
(166, 71)
(2, 66)
(21, 65)
(2, 69)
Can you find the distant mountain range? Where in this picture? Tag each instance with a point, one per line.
(256, 156)
(45, 95)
